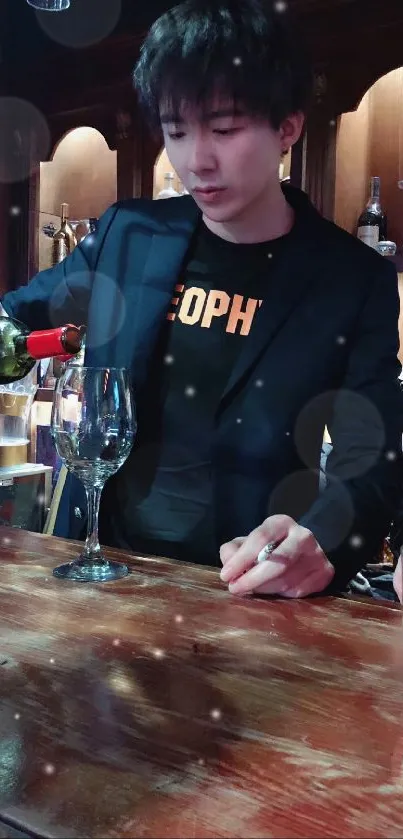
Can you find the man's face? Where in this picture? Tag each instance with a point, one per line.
(237, 154)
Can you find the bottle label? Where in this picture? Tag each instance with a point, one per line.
(60, 250)
(369, 234)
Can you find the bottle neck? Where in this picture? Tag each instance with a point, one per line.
(64, 214)
(48, 343)
(374, 202)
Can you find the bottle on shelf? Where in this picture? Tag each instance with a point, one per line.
(168, 191)
(64, 240)
(372, 223)
(20, 348)
(83, 228)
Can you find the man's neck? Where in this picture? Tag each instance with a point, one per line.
(265, 220)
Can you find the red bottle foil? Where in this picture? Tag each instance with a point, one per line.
(46, 343)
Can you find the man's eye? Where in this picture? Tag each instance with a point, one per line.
(176, 135)
(225, 131)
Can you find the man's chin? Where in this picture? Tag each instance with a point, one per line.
(221, 214)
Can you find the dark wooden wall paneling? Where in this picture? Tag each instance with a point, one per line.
(352, 43)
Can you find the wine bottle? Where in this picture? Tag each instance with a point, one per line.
(168, 191)
(20, 348)
(64, 240)
(372, 224)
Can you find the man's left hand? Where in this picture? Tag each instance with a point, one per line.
(296, 568)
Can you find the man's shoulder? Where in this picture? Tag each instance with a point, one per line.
(335, 248)
(166, 210)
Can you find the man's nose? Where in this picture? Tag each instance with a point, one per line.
(200, 156)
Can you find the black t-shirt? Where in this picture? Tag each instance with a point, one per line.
(160, 501)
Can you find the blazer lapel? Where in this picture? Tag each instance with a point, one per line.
(290, 280)
(126, 316)
(160, 274)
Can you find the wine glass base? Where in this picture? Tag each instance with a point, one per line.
(90, 571)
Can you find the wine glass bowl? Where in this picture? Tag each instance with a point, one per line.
(93, 426)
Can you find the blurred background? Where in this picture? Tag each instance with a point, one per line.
(75, 135)
(72, 139)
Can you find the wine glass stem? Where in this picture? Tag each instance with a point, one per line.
(92, 547)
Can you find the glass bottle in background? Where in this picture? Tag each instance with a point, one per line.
(372, 224)
(64, 240)
(168, 191)
(81, 229)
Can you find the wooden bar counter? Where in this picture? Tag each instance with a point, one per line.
(162, 706)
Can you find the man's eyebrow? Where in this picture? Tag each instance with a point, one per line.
(216, 114)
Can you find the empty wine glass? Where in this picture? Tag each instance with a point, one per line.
(93, 427)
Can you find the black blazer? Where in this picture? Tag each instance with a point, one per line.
(325, 345)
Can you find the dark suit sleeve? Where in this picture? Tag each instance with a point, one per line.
(61, 295)
(364, 470)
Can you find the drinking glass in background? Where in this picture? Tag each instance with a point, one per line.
(386, 248)
(93, 426)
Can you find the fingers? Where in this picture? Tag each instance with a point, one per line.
(308, 581)
(315, 582)
(273, 529)
(296, 568)
(229, 550)
(277, 573)
(301, 576)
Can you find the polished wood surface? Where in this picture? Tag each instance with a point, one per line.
(160, 705)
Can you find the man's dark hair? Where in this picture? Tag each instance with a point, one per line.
(246, 50)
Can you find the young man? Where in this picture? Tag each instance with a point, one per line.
(248, 321)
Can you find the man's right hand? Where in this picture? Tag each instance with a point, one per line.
(397, 579)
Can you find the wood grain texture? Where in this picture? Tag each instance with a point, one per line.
(160, 705)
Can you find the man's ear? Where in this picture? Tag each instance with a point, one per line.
(290, 130)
